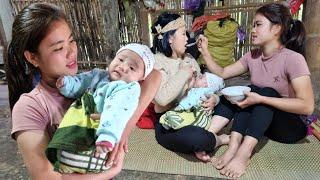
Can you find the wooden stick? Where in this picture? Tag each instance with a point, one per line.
(317, 122)
(316, 134)
(315, 127)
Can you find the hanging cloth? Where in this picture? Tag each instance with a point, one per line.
(202, 21)
(221, 36)
(294, 5)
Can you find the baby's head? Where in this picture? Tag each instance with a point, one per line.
(133, 62)
(209, 80)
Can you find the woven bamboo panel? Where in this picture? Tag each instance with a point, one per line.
(89, 22)
(241, 10)
(102, 26)
(272, 160)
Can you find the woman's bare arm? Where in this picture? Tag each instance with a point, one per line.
(32, 146)
(227, 72)
(149, 89)
(303, 103)
(232, 70)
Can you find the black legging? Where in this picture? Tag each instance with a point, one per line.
(188, 139)
(259, 120)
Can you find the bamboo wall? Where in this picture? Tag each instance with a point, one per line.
(102, 26)
(241, 10)
(129, 21)
(92, 25)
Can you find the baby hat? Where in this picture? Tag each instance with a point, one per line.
(144, 52)
(214, 81)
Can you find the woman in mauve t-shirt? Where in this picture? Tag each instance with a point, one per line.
(43, 42)
(281, 90)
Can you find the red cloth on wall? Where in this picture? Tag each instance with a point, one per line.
(294, 5)
(201, 21)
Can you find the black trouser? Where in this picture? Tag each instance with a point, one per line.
(260, 119)
(188, 139)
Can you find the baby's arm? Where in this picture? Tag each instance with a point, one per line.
(75, 86)
(69, 86)
(117, 101)
(219, 83)
(193, 98)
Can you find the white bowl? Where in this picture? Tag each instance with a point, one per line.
(235, 93)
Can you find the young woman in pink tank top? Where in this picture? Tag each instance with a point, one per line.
(281, 89)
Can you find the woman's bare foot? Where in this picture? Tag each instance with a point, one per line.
(221, 140)
(203, 156)
(224, 139)
(236, 167)
(221, 161)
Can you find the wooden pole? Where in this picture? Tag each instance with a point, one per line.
(311, 19)
(144, 26)
(110, 10)
(3, 42)
(3, 39)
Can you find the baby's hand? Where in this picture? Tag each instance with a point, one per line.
(189, 69)
(191, 82)
(209, 102)
(60, 82)
(102, 148)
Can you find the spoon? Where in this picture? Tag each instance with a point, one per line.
(191, 44)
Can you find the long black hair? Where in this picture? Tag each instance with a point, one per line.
(293, 34)
(163, 45)
(29, 28)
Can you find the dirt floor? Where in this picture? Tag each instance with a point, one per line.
(12, 167)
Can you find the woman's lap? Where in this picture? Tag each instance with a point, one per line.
(277, 125)
(188, 139)
(282, 126)
(287, 128)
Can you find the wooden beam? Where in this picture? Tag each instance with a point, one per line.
(311, 19)
(144, 25)
(3, 41)
(110, 11)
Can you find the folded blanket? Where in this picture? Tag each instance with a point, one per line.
(73, 144)
(81, 162)
(196, 116)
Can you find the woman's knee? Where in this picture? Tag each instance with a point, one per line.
(199, 139)
(186, 140)
(268, 91)
(159, 134)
